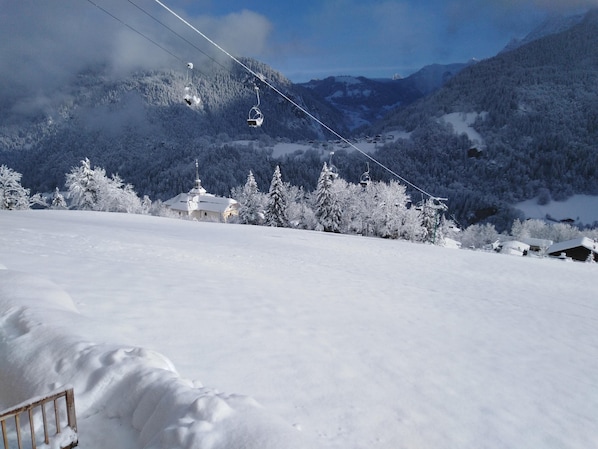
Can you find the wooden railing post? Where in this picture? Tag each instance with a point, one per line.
(70, 409)
(30, 410)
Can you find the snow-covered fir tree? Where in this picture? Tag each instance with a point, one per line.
(91, 189)
(478, 236)
(432, 211)
(58, 201)
(299, 212)
(251, 202)
(389, 209)
(276, 209)
(116, 195)
(327, 206)
(38, 200)
(82, 186)
(12, 194)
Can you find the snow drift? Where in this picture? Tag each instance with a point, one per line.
(139, 386)
(345, 341)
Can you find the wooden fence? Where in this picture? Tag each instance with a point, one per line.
(19, 430)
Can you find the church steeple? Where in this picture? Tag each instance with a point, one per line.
(197, 188)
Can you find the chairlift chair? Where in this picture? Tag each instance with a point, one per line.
(365, 179)
(189, 97)
(332, 168)
(256, 118)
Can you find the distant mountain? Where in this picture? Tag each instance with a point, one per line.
(433, 77)
(534, 114)
(364, 101)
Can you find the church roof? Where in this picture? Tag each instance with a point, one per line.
(197, 199)
(188, 202)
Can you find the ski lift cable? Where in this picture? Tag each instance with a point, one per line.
(255, 74)
(175, 33)
(149, 39)
(136, 31)
(302, 109)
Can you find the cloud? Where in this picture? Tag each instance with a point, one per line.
(43, 45)
(244, 33)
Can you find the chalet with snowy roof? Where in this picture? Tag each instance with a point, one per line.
(537, 245)
(513, 247)
(200, 205)
(577, 249)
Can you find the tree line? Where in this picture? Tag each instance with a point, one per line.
(372, 208)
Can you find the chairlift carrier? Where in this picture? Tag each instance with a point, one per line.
(189, 98)
(256, 118)
(331, 167)
(365, 178)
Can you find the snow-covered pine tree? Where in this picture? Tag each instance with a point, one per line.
(390, 205)
(12, 194)
(82, 186)
(412, 228)
(327, 207)
(115, 195)
(478, 236)
(432, 212)
(91, 189)
(299, 211)
(38, 200)
(276, 209)
(58, 201)
(251, 202)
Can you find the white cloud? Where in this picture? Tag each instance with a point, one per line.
(44, 44)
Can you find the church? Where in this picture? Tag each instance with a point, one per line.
(197, 204)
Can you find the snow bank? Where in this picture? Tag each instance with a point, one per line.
(138, 386)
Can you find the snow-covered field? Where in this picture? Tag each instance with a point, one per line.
(178, 334)
(580, 208)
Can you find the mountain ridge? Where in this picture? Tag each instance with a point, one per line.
(537, 116)
(366, 100)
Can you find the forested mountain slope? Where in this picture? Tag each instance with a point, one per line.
(140, 127)
(534, 111)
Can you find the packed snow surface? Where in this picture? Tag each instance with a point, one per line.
(179, 334)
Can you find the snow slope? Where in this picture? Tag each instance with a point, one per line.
(178, 334)
(462, 124)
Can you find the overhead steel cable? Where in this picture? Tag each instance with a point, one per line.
(263, 79)
(136, 31)
(259, 76)
(175, 33)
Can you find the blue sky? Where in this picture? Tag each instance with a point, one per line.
(376, 38)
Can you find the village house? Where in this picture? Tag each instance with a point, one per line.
(538, 246)
(199, 205)
(577, 249)
(513, 247)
